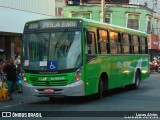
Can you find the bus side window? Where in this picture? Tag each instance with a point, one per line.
(126, 44)
(103, 42)
(120, 46)
(114, 42)
(135, 44)
(144, 45)
(139, 46)
(91, 48)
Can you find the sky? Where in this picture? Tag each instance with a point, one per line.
(151, 4)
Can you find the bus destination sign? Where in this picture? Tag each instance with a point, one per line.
(58, 24)
(33, 25)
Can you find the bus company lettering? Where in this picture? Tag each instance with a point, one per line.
(122, 64)
(57, 78)
(126, 64)
(119, 65)
(44, 79)
(54, 24)
(33, 26)
(53, 78)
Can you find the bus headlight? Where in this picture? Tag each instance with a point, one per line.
(78, 75)
(24, 77)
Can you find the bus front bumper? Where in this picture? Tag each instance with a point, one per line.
(74, 89)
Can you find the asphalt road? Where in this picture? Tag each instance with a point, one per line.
(112, 106)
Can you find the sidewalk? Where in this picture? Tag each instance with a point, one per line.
(18, 98)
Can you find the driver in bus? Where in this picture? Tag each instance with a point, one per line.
(62, 52)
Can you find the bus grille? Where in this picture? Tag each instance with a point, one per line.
(35, 82)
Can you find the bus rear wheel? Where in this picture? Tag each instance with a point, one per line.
(137, 80)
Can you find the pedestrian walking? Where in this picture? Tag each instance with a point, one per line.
(2, 64)
(11, 74)
(17, 62)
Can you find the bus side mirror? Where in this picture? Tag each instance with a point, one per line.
(89, 38)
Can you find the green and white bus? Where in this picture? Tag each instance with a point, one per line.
(81, 57)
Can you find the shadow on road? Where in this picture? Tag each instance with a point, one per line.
(85, 99)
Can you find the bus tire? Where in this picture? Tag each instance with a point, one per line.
(137, 80)
(51, 99)
(100, 90)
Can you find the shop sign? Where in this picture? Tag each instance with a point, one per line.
(154, 42)
(158, 42)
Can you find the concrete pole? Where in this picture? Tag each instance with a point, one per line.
(81, 3)
(64, 3)
(102, 10)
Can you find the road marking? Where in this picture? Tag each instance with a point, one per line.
(7, 106)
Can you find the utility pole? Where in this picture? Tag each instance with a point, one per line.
(64, 3)
(102, 11)
(81, 3)
(154, 4)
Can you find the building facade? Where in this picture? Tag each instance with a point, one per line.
(15, 13)
(133, 16)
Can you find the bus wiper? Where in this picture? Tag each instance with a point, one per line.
(59, 41)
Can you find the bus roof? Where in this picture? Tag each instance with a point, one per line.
(112, 27)
(97, 24)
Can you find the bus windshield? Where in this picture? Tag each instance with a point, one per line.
(63, 49)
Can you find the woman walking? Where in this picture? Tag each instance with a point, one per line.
(11, 74)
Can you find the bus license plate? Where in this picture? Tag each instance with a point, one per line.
(48, 90)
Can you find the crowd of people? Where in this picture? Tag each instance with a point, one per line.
(155, 65)
(9, 72)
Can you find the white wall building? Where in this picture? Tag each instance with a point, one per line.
(15, 13)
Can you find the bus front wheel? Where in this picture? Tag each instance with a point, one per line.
(51, 99)
(100, 90)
